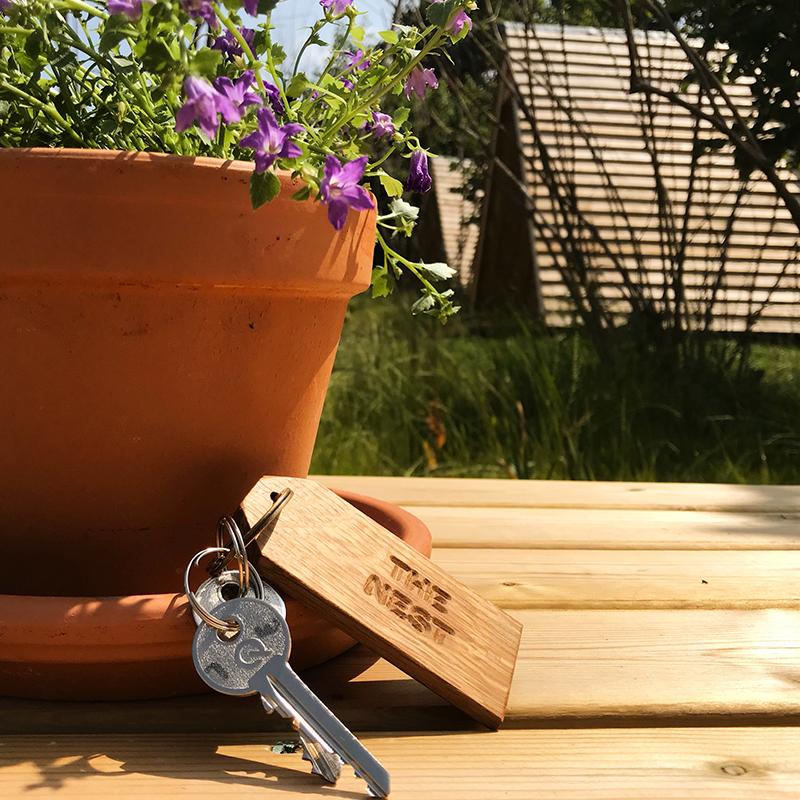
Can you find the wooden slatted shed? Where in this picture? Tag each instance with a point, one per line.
(604, 194)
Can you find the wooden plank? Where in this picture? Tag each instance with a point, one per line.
(607, 579)
(620, 665)
(662, 663)
(356, 574)
(743, 763)
(575, 667)
(604, 529)
(499, 493)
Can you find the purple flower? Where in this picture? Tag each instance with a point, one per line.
(271, 141)
(132, 9)
(419, 180)
(458, 22)
(339, 6)
(356, 60)
(202, 9)
(381, 124)
(340, 190)
(418, 79)
(5, 3)
(229, 46)
(251, 7)
(238, 93)
(456, 25)
(274, 98)
(203, 103)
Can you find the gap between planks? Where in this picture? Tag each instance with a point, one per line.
(642, 764)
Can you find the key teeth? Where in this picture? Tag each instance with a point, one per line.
(328, 766)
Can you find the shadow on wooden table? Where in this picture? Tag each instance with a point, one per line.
(64, 762)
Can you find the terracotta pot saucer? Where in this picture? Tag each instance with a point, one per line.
(139, 646)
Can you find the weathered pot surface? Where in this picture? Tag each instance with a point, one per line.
(162, 347)
(136, 647)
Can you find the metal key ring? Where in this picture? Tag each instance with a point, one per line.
(210, 619)
(218, 564)
(237, 547)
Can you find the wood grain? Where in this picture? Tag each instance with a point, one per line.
(608, 529)
(644, 764)
(387, 595)
(609, 579)
(574, 667)
(497, 493)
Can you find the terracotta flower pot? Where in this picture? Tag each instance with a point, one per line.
(124, 648)
(162, 347)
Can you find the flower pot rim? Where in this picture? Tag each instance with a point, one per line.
(151, 630)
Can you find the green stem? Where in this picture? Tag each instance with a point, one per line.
(375, 164)
(318, 26)
(253, 61)
(336, 52)
(274, 72)
(6, 29)
(77, 5)
(431, 45)
(48, 109)
(393, 255)
(143, 97)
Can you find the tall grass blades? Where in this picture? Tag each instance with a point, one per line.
(409, 397)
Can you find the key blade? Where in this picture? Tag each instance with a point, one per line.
(285, 685)
(326, 764)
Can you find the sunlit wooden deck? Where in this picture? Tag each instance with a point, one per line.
(660, 659)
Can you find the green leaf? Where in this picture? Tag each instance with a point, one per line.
(382, 282)
(116, 29)
(315, 38)
(437, 271)
(425, 303)
(401, 116)
(264, 188)
(439, 13)
(205, 62)
(65, 60)
(391, 185)
(265, 6)
(5, 107)
(278, 54)
(357, 33)
(297, 85)
(122, 64)
(302, 194)
(403, 209)
(389, 36)
(157, 57)
(34, 44)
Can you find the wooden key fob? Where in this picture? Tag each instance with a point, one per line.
(365, 580)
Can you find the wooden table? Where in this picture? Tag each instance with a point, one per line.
(660, 659)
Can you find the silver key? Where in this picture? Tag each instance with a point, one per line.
(222, 587)
(253, 660)
(218, 589)
(324, 762)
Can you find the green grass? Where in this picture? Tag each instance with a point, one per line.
(410, 397)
